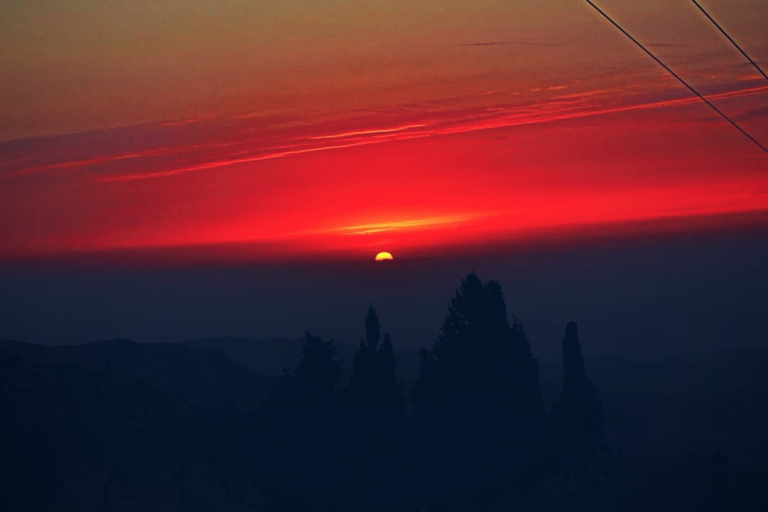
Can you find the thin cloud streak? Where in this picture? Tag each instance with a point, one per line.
(455, 127)
(90, 162)
(228, 163)
(370, 132)
(667, 45)
(512, 121)
(511, 43)
(367, 229)
(75, 164)
(442, 122)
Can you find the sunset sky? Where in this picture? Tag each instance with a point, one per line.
(343, 128)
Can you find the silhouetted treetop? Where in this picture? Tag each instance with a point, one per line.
(578, 413)
(373, 384)
(475, 334)
(388, 363)
(477, 402)
(391, 388)
(574, 374)
(318, 370)
(476, 323)
(372, 328)
(364, 376)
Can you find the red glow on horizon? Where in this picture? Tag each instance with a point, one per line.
(437, 176)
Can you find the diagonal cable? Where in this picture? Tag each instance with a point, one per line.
(734, 43)
(679, 79)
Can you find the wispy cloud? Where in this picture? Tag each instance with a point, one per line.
(409, 224)
(753, 114)
(511, 43)
(75, 164)
(370, 132)
(429, 120)
(231, 162)
(666, 45)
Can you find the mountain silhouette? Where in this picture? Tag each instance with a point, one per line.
(272, 356)
(204, 377)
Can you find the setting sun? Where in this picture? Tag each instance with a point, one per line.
(383, 256)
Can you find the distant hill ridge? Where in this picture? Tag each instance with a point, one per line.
(692, 402)
(202, 376)
(271, 356)
(264, 359)
(705, 372)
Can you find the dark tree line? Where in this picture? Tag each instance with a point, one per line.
(474, 433)
(478, 436)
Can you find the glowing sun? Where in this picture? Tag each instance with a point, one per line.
(383, 256)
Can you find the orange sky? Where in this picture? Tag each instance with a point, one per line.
(363, 126)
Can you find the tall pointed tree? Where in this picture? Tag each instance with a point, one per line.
(365, 369)
(390, 389)
(376, 420)
(577, 413)
(372, 328)
(574, 373)
(373, 383)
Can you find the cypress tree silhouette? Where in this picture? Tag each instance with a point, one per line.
(391, 389)
(373, 384)
(578, 411)
(477, 402)
(377, 417)
(574, 373)
(372, 328)
(364, 379)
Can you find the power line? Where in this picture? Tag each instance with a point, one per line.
(679, 79)
(734, 43)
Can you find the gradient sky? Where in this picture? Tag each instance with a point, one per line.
(318, 127)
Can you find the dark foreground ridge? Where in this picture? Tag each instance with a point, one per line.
(473, 423)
